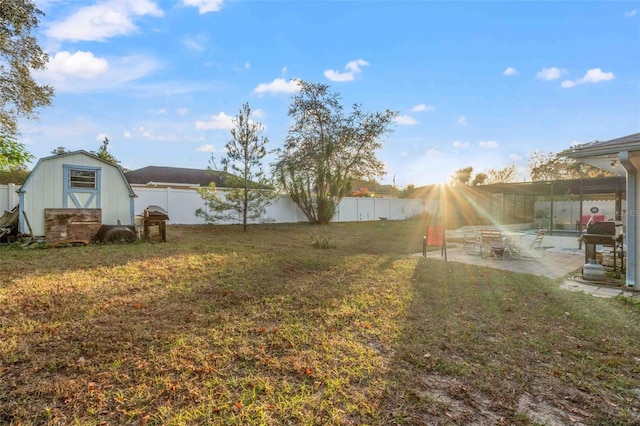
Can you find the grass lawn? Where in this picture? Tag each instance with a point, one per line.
(300, 324)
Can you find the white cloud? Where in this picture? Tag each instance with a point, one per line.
(462, 120)
(247, 65)
(458, 144)
(127, 135)
(284, 70)
(488, 144)
(206, 148)
(197, 42)
(279, 85)
(182, 111)
(515, 157)
(594, 75)
(510, 71)
(423, 107)
(552, 73)
(337, 76)
(81, 65)
(149, 134)
(432, 151)
(352, 68)
(129, 68)
(100, 136)
(161, 111)
(143, 7)
(258, 113)
(204, 6)
(631, 13)
(146, 133)
(575, 143)
(221, 121)
(103, 20)
(84, 72)
(405, 120)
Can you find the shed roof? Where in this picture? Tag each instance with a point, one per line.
(83, 152)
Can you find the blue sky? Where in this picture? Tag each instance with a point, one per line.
(479, 84)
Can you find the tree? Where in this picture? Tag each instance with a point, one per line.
(506, 175)
(325, 150)
(466, 177)
(250, 192)
(462, 176)
(12, 152)
(407, 191)
(550, 166)
(104, 153)
(14, 174)
(59, 150)
(20, 96)
(372, 188)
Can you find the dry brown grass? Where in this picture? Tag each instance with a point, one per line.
(296, 324)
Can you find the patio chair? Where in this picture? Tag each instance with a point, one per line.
(530, 246)
(493, 244)
(435, 236)
(471, 243)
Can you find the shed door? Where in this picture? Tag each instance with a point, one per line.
(81, 187)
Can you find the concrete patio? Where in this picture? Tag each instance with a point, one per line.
(559, 263)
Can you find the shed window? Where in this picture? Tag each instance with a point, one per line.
(82, 178)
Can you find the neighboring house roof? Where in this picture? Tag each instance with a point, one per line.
(166, 176)
(604, 154)
(70, 153)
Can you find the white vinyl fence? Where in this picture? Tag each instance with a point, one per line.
(181, 205)
(8, 197)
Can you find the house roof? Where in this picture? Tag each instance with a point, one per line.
(605, 154)
(175, 175)
(599, 185)
(597, 148)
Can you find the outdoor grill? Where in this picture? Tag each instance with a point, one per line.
(155, 216)
(607, 233)
(609, 229)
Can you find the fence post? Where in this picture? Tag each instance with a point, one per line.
(13, 195)
(169, 200)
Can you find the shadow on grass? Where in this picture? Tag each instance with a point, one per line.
(483, 346)
(235, 329)
(223, 327)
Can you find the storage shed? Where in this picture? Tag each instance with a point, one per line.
(70, 195)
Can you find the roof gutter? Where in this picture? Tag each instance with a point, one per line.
(587, 151)
(633, 210)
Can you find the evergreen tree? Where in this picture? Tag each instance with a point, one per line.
(249, 191)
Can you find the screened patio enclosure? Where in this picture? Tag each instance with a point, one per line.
(561, 207)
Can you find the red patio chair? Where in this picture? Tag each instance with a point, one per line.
(435, 237)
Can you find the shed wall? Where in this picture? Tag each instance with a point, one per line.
(45, 189)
